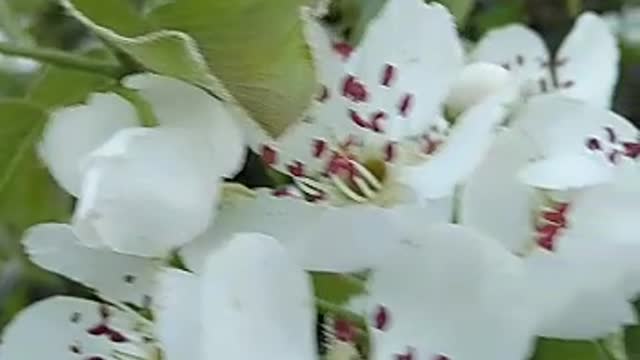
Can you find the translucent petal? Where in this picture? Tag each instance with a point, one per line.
(146, 192)
(516, 47)
(253, 293)
(592, 59)
(114, 276)
(494, 201)
(402, 38)
(465, 299)
(465, 147)
(319, 237)
(59, 328)
(74, 132)
(178, 315)
(565, 172)
(178, 104)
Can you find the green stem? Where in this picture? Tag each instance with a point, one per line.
(65, 59)
(9, 23)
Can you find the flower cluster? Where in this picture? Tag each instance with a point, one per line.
(483, 198)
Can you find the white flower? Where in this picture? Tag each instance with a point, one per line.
(142, 190)
(65, 327)
(568, 222)
(73, 328)
(251, 299)
(444, 293)
(374, 148)
(573, 144)
(448, 293)
(585, 67)
(476, 82)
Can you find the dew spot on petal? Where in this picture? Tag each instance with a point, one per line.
(75, 317)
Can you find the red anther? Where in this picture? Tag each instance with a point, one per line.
(376, 121)
(269, 155)
(343, 49)
(390, 151)
(319, 147)
(296, 168)
(381, 318)
(354, 90)
(594, 144)
(557, 218)
(344, 330)
(388, 75)
(632, 150)
(98, 330)
(405, 104)
(611, 134)
(358, 120)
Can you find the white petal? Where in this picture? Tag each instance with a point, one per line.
(310, 144)
(405, 35)
(464, 149)
(593, 278)
(565, 172)
(477, 82)
(179, 104)
(178, 315)
(254, 294)
(73, 132)
(606, 215)
(146, 192)
(514, 46)
(592, 55)
(559, 125)
(58, 328)
(452, 292)
(319, 237)
(114, 276)
(560, 130)
(494, 201)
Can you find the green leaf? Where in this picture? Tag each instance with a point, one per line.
(59, 87)
(551, 349)
(337, 289)
(632, 338)
(27, 193)
(353, 16)
(504, 13)
(251, 51)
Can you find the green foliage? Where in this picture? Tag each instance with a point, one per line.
(459, 8)
(548, 349)
(58, 87)
(252, 50)
(507, 12)
(27, 193)
(337, 289)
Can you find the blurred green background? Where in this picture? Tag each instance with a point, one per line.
(34, 198)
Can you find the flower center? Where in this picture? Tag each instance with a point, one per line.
(612, 147)
(550, 223)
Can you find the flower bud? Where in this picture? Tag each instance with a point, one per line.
(475, 83)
